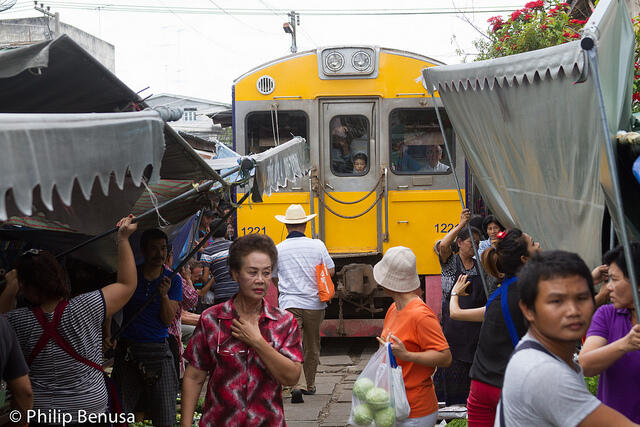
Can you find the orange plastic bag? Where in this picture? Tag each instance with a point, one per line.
(326, 290)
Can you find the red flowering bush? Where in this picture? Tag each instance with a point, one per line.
(542, 24)
(539, 24)
(636, 66)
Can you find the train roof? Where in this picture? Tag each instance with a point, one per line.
(398, 52)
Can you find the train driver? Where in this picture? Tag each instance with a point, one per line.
(434, 155)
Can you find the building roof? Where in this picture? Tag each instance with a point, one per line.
(223, 118)
(189, 98)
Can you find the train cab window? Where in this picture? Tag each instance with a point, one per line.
(263, 128)
(349, 154)
(417, 146)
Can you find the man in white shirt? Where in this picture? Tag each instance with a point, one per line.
(543, 386)
(295, 278)
(434, 155)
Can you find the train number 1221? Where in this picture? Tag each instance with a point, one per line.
(253, 230)
(444, 227)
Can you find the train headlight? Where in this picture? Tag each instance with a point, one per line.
(334, 61)
(361, 60)
(347, 62)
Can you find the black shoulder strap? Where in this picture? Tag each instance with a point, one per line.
(534, 345)
(523, 346)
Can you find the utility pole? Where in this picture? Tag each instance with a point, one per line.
(47, 13)
(290, 28)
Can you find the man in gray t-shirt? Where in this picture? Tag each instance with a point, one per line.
(543, 386)
(542, 390)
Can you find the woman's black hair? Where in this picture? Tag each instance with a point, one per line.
(464, 234)
(43, 275)
(248, 244)
(550, 265)
(506, 257)
(488, 220)
(476, 222)
(616, 255)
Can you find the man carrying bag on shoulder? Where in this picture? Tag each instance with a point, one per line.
(296, 278)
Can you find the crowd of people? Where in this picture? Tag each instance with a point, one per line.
(518, 331)
(509, 352)
(248, 348)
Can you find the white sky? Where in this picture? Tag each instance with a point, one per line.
(201, 54)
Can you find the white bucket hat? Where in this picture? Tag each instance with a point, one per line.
(397, 270)
(295, 215)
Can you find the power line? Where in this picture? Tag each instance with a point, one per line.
(275, 12)
(240, 21)
(268, 6)
(195, 30)
(468, 21)
(261, 12)
(20, 8)
(307, 35)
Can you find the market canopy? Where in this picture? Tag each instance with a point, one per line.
(75, 174)
(531, 129)
(59, 76)
(273, 167)
(55, 152)
(81, 170)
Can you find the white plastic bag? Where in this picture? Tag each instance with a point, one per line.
(398, 391)
(374, 399)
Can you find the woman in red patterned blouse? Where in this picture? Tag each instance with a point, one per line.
(248, 347)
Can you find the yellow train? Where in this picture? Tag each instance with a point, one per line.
(381, 176)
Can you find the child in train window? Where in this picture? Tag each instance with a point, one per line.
(360, 164)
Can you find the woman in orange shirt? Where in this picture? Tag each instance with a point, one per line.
(414, 332)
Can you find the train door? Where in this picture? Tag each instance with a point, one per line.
(350, 177)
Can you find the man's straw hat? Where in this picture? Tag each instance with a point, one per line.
(397, 270)
(295, 215)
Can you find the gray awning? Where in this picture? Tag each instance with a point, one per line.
(506, 72)
(79, 172)
(59, 76)
(531, 129)
(55, 153)
(279, 165)
(275, 166)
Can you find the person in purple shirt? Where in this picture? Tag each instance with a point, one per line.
(613, 340)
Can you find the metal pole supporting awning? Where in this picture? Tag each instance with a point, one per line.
(589, 44)
(537, 130)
